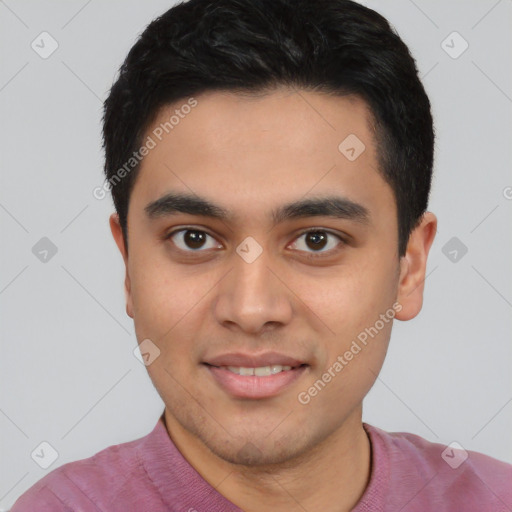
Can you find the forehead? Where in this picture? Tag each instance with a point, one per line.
(260, 151)
(278, 121)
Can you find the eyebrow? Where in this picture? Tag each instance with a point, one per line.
(330, 206)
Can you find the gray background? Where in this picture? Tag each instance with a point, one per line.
(68, 373)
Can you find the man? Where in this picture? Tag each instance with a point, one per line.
(270, 163)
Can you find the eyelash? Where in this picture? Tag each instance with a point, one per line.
(309, 255)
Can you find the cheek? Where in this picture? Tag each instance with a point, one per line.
(160, 297)
(352, 298)
(350, 306)
(170, 303)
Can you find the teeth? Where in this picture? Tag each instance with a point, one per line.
(261, 371)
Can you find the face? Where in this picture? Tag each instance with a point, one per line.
(258, 308)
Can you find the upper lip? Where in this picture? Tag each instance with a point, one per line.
(240, 359)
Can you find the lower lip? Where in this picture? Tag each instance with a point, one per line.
(250, 386)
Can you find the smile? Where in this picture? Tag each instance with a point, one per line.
(260, 371)
(255, 382)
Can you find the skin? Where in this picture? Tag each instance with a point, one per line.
(251, 155)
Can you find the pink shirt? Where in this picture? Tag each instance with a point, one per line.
(409, 474)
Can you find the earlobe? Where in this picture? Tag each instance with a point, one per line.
(117, 233)
(413, 267)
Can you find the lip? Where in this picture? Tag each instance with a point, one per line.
(251, 386)
(254, 360)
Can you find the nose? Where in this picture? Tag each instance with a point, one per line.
(251, 298)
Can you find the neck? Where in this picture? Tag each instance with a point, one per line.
(330, 477)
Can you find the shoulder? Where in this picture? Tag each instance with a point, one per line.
(441, 475)
(88, 484)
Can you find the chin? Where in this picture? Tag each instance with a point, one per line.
(257, 448)
(248, 454)
(247, 440)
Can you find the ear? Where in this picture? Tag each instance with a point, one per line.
(413, 267)
(117, 233)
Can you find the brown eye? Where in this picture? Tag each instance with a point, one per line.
(317, 241)
(191, 240)
(194, 239)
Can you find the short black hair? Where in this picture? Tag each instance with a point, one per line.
(337, 47)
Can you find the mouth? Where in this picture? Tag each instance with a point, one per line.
(254, 380)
